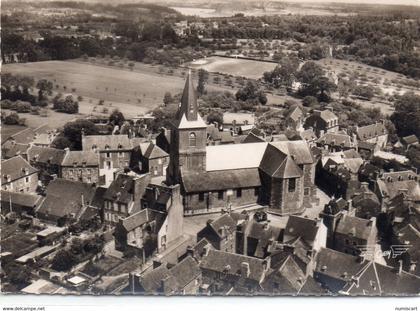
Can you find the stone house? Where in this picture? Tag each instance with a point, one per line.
(149, 158)
(82, 166)
(322, 122)
(18, 175)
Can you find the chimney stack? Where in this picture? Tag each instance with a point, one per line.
(245, 271)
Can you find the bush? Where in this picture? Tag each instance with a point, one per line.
(12, 119)
(22, 107)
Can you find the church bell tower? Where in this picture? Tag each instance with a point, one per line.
(188, 138)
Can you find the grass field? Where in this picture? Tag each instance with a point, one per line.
(9, 130)
(252, 69)
(144, 91)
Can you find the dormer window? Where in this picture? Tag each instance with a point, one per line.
(94, 147)
(192, 139)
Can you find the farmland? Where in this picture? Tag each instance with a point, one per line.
(134, 92)
(251, 69)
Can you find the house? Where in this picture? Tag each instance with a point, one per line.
(150, 231)
(409, 236)
(67, 201)
(220, 232)
(150, 158)
(47, 160)
(233, 121)
(295, 118)
(13, 149)
(312, 231)
(390, 184)
(353, 235)
(253, 236)
(18, 175)
(184, 278)
(211, 181)
(365, 203)
(336, 142)
(82, 166)
(376, 134)
(163, 140)
(224, 272)
(114, 153)
(322, 122)
(123, 196)
(409, 141)
(366, 149)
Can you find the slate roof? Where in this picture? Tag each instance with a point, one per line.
(152, 281)
(252, 138)
(123, 187)
(154, 152)
(138, 219)
(22, 199)
(392, 189)
(298, 226)
(79, 158)
(336, 139)
(295, 113)
(185, 272)
(411, 139)
(297, 149)
(200, 248)
(370, 131)
(64, 197)
(308, 135)
(327, 115)
(338, 265)
(46, 155)
(15, 168)
(220, 180)
(230, 263)
(355, 226)
(379, 280)
(277, 164)
(14, 150)
(102, 141)
(223, 222)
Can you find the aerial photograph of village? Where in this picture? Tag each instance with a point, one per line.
(210, 148)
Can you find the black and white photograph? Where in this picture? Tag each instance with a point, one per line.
(211, 150)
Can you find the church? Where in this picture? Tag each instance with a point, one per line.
(279, 175)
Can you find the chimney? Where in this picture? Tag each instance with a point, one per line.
(400, 267)
(82, 198)
(190, 251)
(245, 271)
(350, 206)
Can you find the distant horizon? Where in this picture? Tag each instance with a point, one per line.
(194, 2)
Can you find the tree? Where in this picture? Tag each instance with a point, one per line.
(12, 119)
(73, 132)
(363, 91)
(310, 101)
(64, 260)
(252, 93)
(203, 76)
(22, 107)
(116, 117)
(167, 99)
(284, 74)
(66, 105)
(314, 82)
(44, 87)
(215, 117)
(406, 117)
(18, 275)
(61, 142)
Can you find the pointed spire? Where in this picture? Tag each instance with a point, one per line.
(189, 105)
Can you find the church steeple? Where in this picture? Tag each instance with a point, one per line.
(189, 106)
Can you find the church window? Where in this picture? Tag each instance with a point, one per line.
(292, 184)
(193, 139)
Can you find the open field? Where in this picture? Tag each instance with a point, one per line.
(143, 90)
(252, 69)
(9, 130)
(53, 119)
